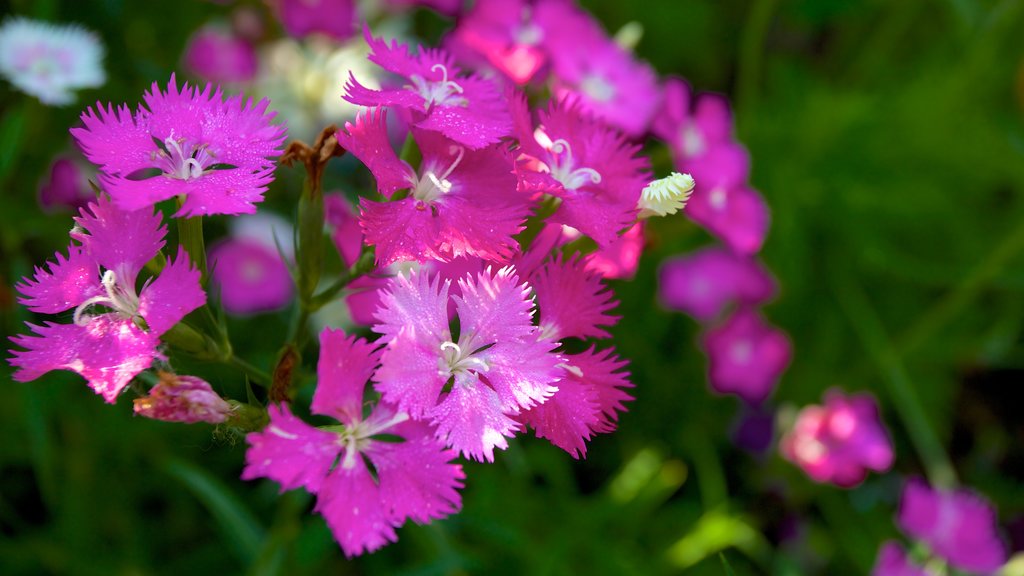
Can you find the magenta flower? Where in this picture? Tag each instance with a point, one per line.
(67, 186)
(411, 479)
(692, 126)
(703, 283)
(470, 110)
(214, 153)
(218, 55)
(594, 170)
(461, 203)
(573, 302)
(958, 525)
(361, 295)
(183, 399)
(502, 34)
(840, 441)
(251, 276)
(499, 367)
(621, 258)
(300, 18)
(608, 80)
(746, 356)
(893, 561)
(100, 273)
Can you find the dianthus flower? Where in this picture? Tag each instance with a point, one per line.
(301, 18)
(185, 399)
(410, 479)
(574, 303)
(49, 61)
(746, 356)
(251, 276)
(503, 34)
(67, 186)
(840, 441)
(219, 55)
(213, 153)
(593, 169)
(461, 202)
(470, 110)
(116, 327)
(958, 525)
(703, 283)
(471, 388)
(692, 126)
(893, 561)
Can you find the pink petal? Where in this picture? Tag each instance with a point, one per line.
(401, 230)
(352, 505)
(739, 216)
(290, 452)
(604, 373)
(250, 276)
(114, 140)
(470, 419)
(120, 240)
(566, 418)
(573, 301)
(175, 293)
(368, 141)
(225, 192)
(66, 283)
(345, 366)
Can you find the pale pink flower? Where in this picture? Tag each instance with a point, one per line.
(250, 276)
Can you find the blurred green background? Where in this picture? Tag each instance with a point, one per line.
(887, 137)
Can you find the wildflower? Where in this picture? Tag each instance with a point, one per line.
(666, 195)
(461, 202)
(110, 347)
(691, 133)
(592, 169)
(746, 356)
(251, 276)
(958, 525)
(50, 61)
(503, 34)
(473, 387)
(183, 399)
(214, 154)
(301, 18)
(621, 258)
(840, 441)
(703, 283)
(893, 561)
(66, 186)
(410, 479)
(573, 302)
(469, 110)
(218, 55)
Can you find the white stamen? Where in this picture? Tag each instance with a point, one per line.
(563, 170)
(442, 93)
(431, 186)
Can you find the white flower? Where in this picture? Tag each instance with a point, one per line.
(666, 195)
(50, 61)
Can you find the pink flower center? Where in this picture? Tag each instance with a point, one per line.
(358, 436)
(718, 198)
(120, 298)
(183, 160)
(434, 182)
(691, 140)
(563, 167)
(457, 359)
(443, 92)
(597, 88)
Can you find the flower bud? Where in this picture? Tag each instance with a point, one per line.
(183, 399)
(665, 196)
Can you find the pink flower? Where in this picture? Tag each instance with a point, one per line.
(448, 7)
(361, 295)
(703, 283)
(411, 479)
(214, 152)
(621, 258)
(607, 80)
(67, 186)
(503, 34)
(251, 276)
(958, 525)
(107, 348)
(573, 302)
(692, 126)
(746, 356)
(217, 55)
(840, 441)
(183, 399)
(595, 172)
(467, 109)
(301, 18)
(738, 216)
(893, 561)
(499, 367)
(461, 203)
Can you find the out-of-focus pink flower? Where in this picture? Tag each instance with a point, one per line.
(251, 276)
(448, 7)
(958, 525)
(108, 345)
(300, 18)
(66, 187)
(893, 561)
(746, 356)
(502, 34)
(500, 365)
(217, 55)
(692, 126)
(621, 258)
(216, 153)
(839, 441)
(413, 478)
(463, 202)
(703, 283)
(183, 399)
(361, 296)
(470, 110)
(738, 216)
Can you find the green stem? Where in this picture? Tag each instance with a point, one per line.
(751, 56)
(190, 236)
(251, 371)
(908, 405)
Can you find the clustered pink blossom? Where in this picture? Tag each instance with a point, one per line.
(839, 441)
